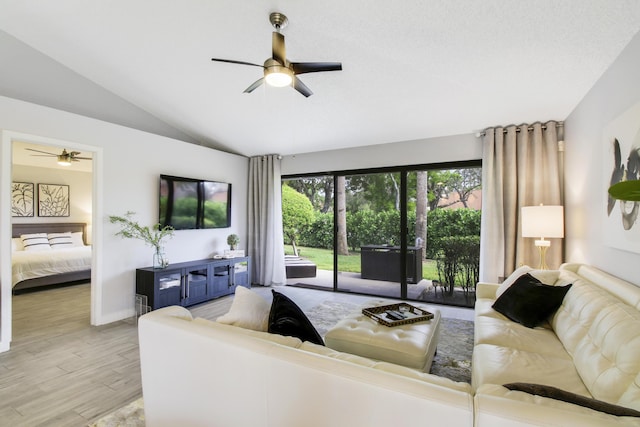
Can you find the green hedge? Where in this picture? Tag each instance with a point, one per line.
(367, 227)
(458, 262)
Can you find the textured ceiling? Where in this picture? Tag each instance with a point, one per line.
(411, 70)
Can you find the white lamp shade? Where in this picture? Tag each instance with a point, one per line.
(543, 221)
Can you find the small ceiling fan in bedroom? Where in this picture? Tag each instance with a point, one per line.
(278, 70)
(64, 159)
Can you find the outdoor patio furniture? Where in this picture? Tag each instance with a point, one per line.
(382, 262)
(297, 267)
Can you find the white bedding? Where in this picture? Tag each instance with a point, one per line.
(29, 265)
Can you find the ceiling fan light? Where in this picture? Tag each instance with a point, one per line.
(64, 160)
(278, 77)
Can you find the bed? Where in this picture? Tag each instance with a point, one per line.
(66, 264)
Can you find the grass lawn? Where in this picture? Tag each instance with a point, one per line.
(323, 258)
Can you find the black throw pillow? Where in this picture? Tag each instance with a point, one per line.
(529, 302)
(286, 318)
(576, 399)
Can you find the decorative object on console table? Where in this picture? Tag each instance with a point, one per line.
(542, 221)
(22, 199)
(152, 236)
(232, 241)
(53, 200)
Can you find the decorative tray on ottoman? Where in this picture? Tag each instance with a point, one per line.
(397, 314)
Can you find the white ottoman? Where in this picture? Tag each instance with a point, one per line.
(412, 345)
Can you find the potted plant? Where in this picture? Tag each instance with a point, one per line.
(152, 236)
(232, 241)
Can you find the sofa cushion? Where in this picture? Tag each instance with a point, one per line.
(286, 318)
(386, 366)
(496, 405)
(506, 333)
(266, 336)
(602, 333)
(576, 399)
(512, 278)
(548, 277)
(530, 302)
(248, 310)
(494, 364)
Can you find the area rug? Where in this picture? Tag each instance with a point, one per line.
(131, 415)
(452, 360)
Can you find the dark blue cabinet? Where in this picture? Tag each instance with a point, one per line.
(192, 282)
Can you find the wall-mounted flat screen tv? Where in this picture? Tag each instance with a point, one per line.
(187, 203)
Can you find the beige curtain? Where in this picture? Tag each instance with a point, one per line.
(521, 166)
(266, 241)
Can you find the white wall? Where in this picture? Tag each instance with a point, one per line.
(79, 183)
(128, 163)
(586, 168)
(424, 151)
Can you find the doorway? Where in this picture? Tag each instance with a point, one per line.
(40, 167)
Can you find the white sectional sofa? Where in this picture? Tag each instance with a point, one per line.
(201, 373)
(590, 346)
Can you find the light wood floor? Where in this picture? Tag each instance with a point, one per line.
(61, 371)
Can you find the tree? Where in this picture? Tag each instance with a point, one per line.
(341, 235)
(463, 182)
(319, 191)
(297, 215)
(421, 207)
(468, 181)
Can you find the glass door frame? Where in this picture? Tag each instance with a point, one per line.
(404, 171)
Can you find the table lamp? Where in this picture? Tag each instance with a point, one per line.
(543, 221)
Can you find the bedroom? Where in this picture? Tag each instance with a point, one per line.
(68, 259)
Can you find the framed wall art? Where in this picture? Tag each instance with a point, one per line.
(22, 197)
(622, 162)
(53, 200)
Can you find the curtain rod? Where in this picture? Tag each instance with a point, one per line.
(530, 128)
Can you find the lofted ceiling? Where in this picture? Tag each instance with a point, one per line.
(412, 69)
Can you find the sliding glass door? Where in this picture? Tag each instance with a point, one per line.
(368, 234)
(409, 233)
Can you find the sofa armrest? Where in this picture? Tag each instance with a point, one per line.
(170, 311)
(497, 406)
(486, 290)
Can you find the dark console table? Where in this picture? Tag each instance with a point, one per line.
(192, 282)
(380, 262)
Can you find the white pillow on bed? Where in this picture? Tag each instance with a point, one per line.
(35, 242)
(16, 244)
(76, 238)
(60, 240)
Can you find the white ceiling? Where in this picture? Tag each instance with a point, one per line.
(412, 69)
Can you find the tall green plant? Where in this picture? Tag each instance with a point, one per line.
(130, 229)
(297, 215)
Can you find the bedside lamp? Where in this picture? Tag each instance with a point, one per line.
(542, 221)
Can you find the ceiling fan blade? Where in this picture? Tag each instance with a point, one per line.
(279, 51)
(254, 85)
(44, 152)
(314, 67)
(231, 61)
(81, 158)
(301, 87)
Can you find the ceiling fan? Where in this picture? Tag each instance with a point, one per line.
(64, 159)
(278, 70)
